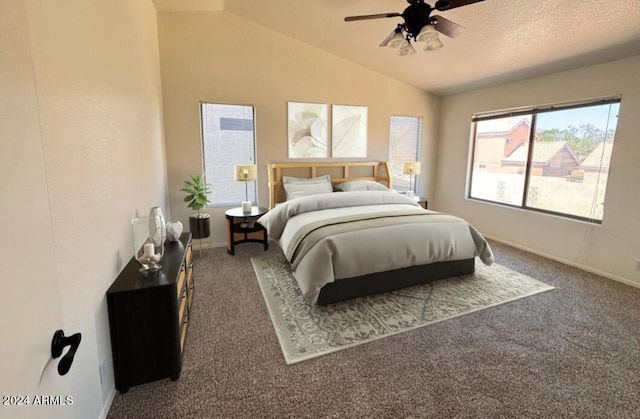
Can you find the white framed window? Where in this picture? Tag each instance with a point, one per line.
(553, 159)
(405, 133)
(228, 139)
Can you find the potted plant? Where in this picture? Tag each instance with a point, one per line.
(197, 198)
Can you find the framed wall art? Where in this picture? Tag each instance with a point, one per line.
(307, 130)
(349, 131)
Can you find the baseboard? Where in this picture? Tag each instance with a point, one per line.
(108, 403)
(567, 262)
(206, 244)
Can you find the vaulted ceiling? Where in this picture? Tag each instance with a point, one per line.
(504, 40)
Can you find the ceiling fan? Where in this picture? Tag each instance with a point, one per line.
(419, 24)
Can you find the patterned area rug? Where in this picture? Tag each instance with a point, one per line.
(307, 331)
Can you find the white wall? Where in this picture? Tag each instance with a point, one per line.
(610, 248)
(97, 79)
(30, 298)
(220, 57)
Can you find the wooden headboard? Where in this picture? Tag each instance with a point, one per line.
(339, 172)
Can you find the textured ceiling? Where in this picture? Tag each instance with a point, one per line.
(504, 40)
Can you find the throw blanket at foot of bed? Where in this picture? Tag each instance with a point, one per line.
(310, 234)
(349, 234)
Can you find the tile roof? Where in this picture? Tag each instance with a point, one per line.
(600, 157)
(543, 151)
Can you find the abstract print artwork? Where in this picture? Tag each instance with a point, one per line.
(307, 130)
(349, 133)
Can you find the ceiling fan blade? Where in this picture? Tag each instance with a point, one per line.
(387, 39)
(365, 17)
(446, 26)
(452, 4)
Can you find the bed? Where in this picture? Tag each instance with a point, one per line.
(346, 234)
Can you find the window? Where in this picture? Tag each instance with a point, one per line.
(552, 159)
(405, 133)
(228, 138)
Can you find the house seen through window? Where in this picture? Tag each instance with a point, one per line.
(552, 159)
(405, 133)
(228, 138)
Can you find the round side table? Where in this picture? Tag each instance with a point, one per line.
(242, 228)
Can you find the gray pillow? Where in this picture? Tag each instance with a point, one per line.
(361, 185)
(296, 187)
(319, 179)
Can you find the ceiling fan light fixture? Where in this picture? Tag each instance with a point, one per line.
(433, 44)
(427, 33)
(419, 24)
(396, 40)
(406, 49)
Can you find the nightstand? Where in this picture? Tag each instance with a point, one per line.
(421, 200)
(242, 228)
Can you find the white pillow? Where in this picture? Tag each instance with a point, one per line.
(298, 189)
(361, 185)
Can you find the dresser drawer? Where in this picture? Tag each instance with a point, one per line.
(183, 330)
(148, 317)
(182, 303)
(181, 279)
(187, 258)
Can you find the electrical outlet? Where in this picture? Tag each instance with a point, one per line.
(637, 265)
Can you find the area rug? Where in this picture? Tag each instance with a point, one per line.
(305, 331)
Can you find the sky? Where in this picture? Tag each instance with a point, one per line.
(595, 115)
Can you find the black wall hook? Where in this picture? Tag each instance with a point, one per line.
(57, 345)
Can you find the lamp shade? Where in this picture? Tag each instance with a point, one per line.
(433, 44)
(411, 167)
(396, 40)
(406, 49)
(246, 172)
(427, 33)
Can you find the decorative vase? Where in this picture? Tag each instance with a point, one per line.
(162, 233)
(148, 242)
(174, 229)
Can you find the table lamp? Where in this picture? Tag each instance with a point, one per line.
(411, 168)
(245, 173)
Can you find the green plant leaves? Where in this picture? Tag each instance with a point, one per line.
(197, 192)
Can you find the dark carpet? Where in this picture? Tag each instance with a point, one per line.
(573, 352)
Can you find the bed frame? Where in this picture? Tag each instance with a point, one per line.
(348, 288)
(345, 289)
(338, 171)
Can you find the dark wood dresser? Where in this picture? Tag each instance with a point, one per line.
(149, 317)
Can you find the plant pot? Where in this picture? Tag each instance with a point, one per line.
(199, 226)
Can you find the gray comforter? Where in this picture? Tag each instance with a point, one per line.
(347, 234)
